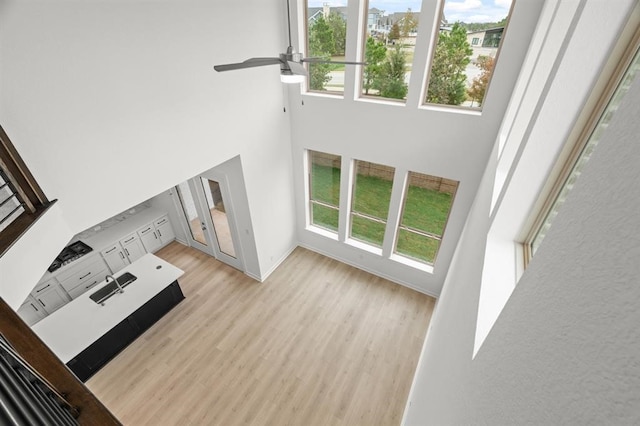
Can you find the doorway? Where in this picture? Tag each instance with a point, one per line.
(208, 209)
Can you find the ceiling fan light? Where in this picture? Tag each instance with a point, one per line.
(291, 78)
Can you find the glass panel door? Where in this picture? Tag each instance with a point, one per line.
(218, 213)
(197, 230)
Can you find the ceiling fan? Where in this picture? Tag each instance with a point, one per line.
(292, 69)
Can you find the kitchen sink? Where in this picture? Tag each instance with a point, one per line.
(111, 288)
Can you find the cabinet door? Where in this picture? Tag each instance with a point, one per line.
(30, 311)
(166, 233)
(149, 238)
(115, 257)
(87, 285)
(133, 247)
(53, 298)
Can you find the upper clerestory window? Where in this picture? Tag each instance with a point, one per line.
(466, 50)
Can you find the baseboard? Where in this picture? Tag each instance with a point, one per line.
(371, 271)
(266, 275)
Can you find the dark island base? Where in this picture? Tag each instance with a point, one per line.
(92, 359)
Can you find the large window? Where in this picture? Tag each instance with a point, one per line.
(370, 202)
(425, 209)
(462, 65)
(22, 201)
(391, 32)
(324, 189)
(326, 38)
(577, 162)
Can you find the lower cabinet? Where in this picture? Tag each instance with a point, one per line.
(89, 361)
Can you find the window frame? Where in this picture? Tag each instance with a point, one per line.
(362, 215)
(307, 84)
(434, 43)
(313, 202)
(439, 238)
(566, 169)
(29, 193)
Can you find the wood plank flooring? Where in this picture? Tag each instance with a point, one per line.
(318, 343)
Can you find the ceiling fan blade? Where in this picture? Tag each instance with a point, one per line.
(326, 61)
(297, 68)
(249, 63)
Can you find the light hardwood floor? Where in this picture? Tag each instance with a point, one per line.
(318, 343)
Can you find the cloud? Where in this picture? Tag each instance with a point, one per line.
(452, 6)
(506, 4)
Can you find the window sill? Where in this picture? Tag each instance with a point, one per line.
(382, 101)
(412, 263)
(364, 246)
(323, 232)
(451, 109)
(20, 226)
(325, 94)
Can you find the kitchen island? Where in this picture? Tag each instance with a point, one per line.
(85, 335)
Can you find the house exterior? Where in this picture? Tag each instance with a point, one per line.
(485, 42)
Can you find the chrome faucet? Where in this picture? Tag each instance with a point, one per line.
(120, 289)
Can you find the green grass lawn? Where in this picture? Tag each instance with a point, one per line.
(425, 210)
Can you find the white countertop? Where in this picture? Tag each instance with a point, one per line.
(74, 327)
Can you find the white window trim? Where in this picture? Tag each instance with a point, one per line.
(528, 158)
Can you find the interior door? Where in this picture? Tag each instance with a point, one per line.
(208, 210)
(220, 218)
(191, 206)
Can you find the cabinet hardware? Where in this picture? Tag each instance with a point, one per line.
(34, 307)
(159, 233)
(92, 284)
(154, 234)
(40, 300)
(110, 250)
(43, 288)
(85, 276)
(146, 230)
(130, 239)
(122, 255)
(162, 221)
(127, 251)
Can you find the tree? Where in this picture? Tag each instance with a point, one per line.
(394, 33)
(479, 84)
(408, 24)
(321, 44)
(391, 79)
(374, 54)
(339, 30)
(447, 82)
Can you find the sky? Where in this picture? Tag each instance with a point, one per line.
(454, 10)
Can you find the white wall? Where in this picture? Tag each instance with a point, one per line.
(564, 349)
(449, 143)
(111, 103)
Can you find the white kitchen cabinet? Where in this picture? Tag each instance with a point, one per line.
(157, 234)
(123, 252)
(50, 295)
(115, 257)
(30, 311)
(164, 230)
(83, 275)
(133, 247)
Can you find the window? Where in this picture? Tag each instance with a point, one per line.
(370, 202)
(577, 162)
(324, 190)
(461, 70)
(390, 42)
(22, 201)
(425, 210)
(326, 38)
